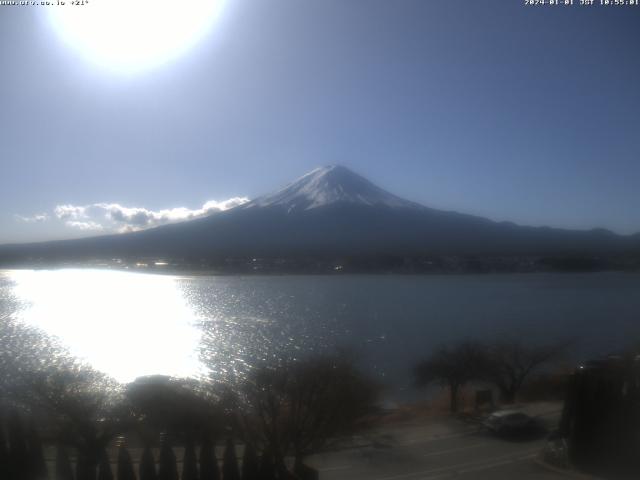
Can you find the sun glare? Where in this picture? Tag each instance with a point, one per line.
(148, 327)
(133, 35)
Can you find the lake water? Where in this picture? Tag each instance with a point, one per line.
(131, 324)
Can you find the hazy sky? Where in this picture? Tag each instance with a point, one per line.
(529, 114)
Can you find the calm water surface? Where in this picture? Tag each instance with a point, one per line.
(131, 324)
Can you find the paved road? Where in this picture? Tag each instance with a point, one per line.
(436, 450)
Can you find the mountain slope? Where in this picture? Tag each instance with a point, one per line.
(330, 212)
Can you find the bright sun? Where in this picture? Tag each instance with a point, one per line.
(133, 35)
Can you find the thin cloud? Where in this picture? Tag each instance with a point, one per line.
(37, 218)
(138, 218)
(113, 217)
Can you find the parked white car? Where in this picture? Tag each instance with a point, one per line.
(509, 422)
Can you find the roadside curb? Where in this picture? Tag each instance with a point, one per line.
(564, 471)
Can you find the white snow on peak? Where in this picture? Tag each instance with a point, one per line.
(329, 185)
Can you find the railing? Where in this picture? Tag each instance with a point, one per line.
(24, 457)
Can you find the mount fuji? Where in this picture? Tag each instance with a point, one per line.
(331, 212)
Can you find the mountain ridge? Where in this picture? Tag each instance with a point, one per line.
(330, 212)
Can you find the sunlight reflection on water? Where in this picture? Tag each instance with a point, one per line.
(124, 324)
(133, 324)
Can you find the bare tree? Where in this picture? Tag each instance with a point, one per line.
(302, 407)
(508, 364)
(40, 377)
(86, 407)
(452, 367)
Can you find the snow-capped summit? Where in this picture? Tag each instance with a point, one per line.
(330, 185)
